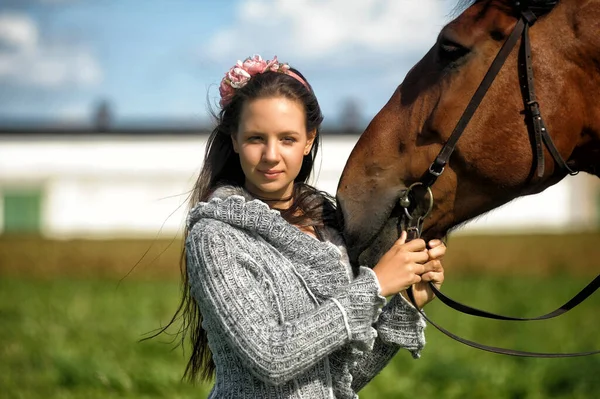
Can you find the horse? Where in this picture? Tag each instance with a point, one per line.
(501, 154)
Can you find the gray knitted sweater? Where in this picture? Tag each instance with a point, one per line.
(285, 315)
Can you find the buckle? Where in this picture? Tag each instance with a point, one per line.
(434, 172)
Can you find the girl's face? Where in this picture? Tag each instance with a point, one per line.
(272, 141)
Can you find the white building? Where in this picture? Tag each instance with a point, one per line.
(88, 184)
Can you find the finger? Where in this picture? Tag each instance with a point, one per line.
(435, 243)
(417, 244)
(437, 252)
(435, 277)
(433, 266)
(402, 239)
(421, 268)
(416, 279)
(418, 257)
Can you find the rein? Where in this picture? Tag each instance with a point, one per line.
(417, 200)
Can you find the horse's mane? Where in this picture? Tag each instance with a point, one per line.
(539, 7)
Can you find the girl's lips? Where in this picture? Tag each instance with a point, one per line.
(271, 174)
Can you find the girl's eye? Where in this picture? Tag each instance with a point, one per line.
(254, 139)
(289, 140)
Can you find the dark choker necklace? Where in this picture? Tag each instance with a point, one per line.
(274, 200)
(270, 200)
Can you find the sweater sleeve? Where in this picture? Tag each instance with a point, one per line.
(371, 363)
(236, 308)
(398, 329)
(399, 326)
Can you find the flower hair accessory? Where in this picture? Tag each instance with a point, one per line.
(239, 75)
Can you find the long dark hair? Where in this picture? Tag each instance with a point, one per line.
(310, 207)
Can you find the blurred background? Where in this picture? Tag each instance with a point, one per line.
(104, 114)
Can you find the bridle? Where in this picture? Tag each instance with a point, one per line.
(417, 201)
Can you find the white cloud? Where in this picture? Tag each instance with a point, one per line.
(329, 29)
(27, 60)
(17, 31)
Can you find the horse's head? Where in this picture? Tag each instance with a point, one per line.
(494, 160)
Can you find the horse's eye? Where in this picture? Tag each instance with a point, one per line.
(450, 51)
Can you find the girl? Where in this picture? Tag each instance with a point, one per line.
(272, 304)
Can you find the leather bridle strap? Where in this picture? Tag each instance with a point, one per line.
(437, 167)
(576, 300)
(541, 135)
(494, 349)
(539, 127)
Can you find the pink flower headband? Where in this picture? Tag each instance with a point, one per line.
(239, 75)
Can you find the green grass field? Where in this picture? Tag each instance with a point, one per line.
(78, 338)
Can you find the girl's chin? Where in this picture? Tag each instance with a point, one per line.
(271, 190)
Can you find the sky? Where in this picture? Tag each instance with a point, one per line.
(162, 60)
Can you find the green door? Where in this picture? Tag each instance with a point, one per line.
(22, 210)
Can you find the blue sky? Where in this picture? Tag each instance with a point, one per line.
(163, 59)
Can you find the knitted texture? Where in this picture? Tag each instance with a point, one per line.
(285, 315)
(399, 322)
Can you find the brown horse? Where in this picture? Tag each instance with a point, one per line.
(494, 161)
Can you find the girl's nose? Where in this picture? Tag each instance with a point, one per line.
(271, 152)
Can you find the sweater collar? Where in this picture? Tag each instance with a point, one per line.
(316, 260)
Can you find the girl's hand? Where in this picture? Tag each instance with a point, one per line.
(403, 265)
(421, 290)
